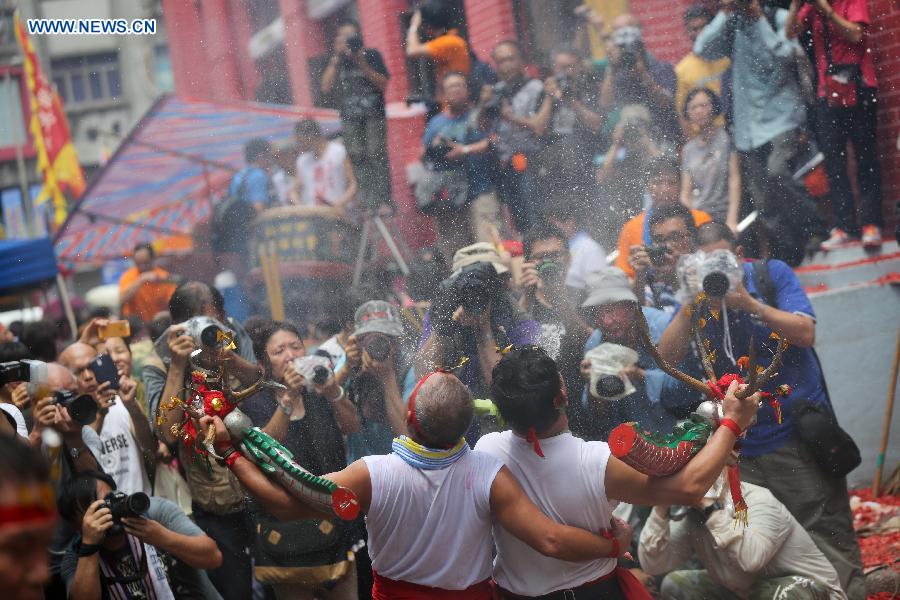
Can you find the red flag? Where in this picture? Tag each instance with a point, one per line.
(57, 160)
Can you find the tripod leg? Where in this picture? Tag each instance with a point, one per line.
(361, 254)
(385, 234)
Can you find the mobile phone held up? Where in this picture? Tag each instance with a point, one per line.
(105, 370)
(119, 329)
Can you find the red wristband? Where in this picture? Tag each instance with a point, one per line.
(614, 553)
(232, 458)
(732, 425)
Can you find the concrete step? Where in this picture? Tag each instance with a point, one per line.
(850, 265)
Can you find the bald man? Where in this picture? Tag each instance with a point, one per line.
(431, 502)
(127, 445)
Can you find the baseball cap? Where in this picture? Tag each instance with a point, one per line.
(476, 253)
(606, 286)
(378, 316)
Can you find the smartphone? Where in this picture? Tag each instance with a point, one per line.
(119, 329)
(105, 370)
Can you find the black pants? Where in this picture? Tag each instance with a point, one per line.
(835, 126)
(516, 190)
(789, 215)
(233, 534)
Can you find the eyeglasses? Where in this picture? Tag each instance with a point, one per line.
(674, 237)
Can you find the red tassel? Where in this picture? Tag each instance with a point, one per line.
(532, 438)
(776, 406)
(740, 505)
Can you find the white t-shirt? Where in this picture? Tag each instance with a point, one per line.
(432, 528)
(324, 180)
(120, 455)
(568, 486)
(587, 256)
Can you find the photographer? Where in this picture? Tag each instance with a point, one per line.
(456, 190)
(473, 314)
(374, 356)
(632, 75)
(309, 418)
(657, 400)
(520, 112)
(127, 543)
(357, 77)
(846, 108)
(663, 187)
(127, 444)
(573, 132)
(803, 472)
(218, 501)
(672, 233)
(547, 297)
(769, 117)
(442, 44)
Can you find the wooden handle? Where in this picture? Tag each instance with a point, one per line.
(886, 426)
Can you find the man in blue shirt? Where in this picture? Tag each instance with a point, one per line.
(769, 115)
(658, 400)
(771, 454)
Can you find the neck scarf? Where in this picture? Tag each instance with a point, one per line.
(428, 459)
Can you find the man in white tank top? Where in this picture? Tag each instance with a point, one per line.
(431, 502)
(324, 173)
(577, 482)
(124, 431)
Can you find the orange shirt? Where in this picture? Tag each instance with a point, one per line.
(150, 298)
(633, 233)
(449, 53)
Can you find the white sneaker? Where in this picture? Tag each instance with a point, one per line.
(871, 237)
(838, 237)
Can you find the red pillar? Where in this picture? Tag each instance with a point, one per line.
(221, 54)
(248, 74)
(186, 48)
(380, 24)
(303, 39)
(489, 22)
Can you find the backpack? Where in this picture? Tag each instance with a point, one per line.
(832, 448)
(230, 213)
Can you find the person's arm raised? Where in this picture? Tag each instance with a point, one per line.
(687, 486)
(515, 511)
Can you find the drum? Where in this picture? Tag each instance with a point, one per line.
(310, 242)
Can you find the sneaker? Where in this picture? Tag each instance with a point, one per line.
(838, 237)
(871, 237)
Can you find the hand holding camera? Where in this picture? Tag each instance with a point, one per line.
(377, 354)
(96, 522)
(180, 345)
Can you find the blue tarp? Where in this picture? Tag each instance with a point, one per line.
(25, 262)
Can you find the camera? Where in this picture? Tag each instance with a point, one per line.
(316, 369)
(472, 287)
(715, 273)
(82, 408)
(354, 43)
(607, 360)
(566, 86)
(122, 505)
(33, 371)
(630, 44)
(657, 253)
(377, 346)
(437, 152)
(208, 332)
(549, 270)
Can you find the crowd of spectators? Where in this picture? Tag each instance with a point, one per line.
(528, 180)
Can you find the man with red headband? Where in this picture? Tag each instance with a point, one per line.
(27, 519)
(577, 482)
(431, 502)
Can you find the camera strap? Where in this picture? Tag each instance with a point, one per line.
(111, 574)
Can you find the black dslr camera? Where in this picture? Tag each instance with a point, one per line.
(81, 408)
(354, 43)
(657, 254)
(473, 288)
(122, 505)
(377, 346)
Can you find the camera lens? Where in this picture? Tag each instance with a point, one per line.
(83, 409)
(320, 375)
(378, 347)
(137, 503)
(716, 284)
(209, 336)
(609, 386)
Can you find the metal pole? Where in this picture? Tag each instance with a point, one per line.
(67, 305)
(20, 161)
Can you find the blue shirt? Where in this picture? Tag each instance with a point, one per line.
(659, 397)
(767, 99)
(463, 130)
(258, 190)
(800, 369)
